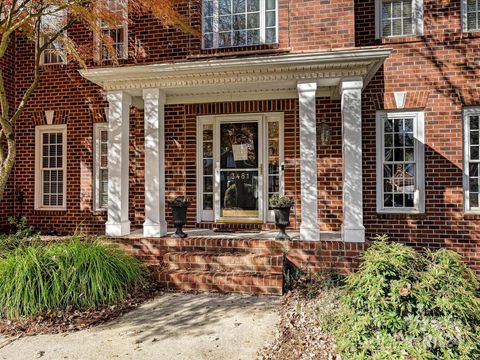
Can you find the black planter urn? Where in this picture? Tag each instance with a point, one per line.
(179, 215)
(282, 220)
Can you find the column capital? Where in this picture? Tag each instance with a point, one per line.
(153, 94)
(119, 96)
(307, 86)
(351, 84)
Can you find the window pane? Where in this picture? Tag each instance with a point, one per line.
(207, 202)
(399, 163)
(239, 23)
(397, 17)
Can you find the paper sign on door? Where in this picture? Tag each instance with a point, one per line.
(240, 152)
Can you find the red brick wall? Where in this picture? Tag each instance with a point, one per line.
(7, 64)
(440, 73)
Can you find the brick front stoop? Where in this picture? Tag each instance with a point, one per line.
(212, 264)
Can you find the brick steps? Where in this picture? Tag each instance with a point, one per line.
(227, 271)
(226, 282)
(210, 261)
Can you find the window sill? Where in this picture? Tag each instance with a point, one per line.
(239, 51)
(46, 209)
(471, 214)
(400, 212)
(401, 39)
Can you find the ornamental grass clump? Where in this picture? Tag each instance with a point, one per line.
(78, 273)
(406, 305)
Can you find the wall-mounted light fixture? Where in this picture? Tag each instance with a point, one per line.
(324, 134)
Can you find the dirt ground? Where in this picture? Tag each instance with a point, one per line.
(172, 326)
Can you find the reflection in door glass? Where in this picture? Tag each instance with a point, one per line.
(239, 188)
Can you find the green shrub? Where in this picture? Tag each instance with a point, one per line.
(24, 236)
(403, 305)
(77, 273)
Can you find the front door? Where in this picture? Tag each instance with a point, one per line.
(240, 166)
(239, 172)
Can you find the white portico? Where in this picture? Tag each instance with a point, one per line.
(339, 74)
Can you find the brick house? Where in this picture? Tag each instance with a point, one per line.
(366, 112)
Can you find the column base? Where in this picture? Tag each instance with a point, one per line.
(309, 234)
(353, 235)
(154, 230)
(117, 229)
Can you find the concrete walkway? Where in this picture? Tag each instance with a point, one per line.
(173, 326)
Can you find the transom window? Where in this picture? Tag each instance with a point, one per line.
(117, 34)
(399, 17)
(400, 162)
(230, 23)
(471, 168)
(100, 143)
(471, 11)
(50, 184)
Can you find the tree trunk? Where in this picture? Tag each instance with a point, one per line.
(7, 166)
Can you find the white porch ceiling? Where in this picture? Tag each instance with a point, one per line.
(252, 78)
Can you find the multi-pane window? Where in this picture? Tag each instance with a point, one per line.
(101, 166)
(399, 17)
(471, 15)
(51, 167)
(53, 54)
(117, 34)
(207, 156)
(52, 25)
(400, 162)
(273, 158)
(471, 168)
(230, 23)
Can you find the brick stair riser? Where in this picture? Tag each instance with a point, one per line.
(223, 262)
(228, 282)
(225, 267)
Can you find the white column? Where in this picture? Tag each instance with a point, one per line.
(118, 142)
(352, 229)
(309, 229)
(155, 224)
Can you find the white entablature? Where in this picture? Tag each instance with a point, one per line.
(249, 78)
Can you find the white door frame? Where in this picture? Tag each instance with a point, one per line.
(265, 215)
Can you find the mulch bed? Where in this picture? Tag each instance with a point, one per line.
(301, 334)
(70, 320)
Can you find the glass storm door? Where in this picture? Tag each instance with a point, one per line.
(239, 174)
(239, 167)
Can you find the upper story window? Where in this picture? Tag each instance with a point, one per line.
(118, 34)
(230, 23)
(471, 159)
(399, 18)
(51, 25)
(400, 162)
(53, 54)
(471, 15)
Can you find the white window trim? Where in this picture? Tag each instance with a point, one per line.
(123, 25)
(417, 20)
(97, 129)
(419, 134)
(466, 159)
(262, 28)
(42, 57)
(39, 130)
(465, 19)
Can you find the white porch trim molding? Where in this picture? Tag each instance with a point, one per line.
(338, 74)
